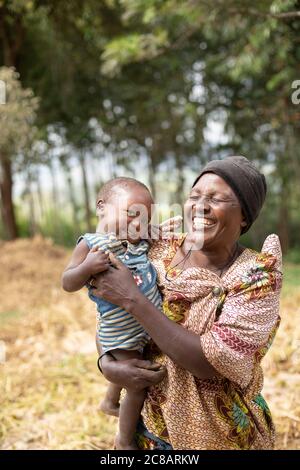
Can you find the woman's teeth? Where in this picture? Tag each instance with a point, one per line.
(199, 222)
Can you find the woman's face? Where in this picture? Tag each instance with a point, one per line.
(213, 211)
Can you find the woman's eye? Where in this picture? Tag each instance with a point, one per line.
(213, 199)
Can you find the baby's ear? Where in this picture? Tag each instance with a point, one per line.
(99, 207)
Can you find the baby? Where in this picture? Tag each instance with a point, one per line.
(124, 213)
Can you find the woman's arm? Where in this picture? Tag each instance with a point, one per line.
(135, 374)
(249, 319)
(182, 346)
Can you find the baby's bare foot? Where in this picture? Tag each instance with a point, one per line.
(109, 408)
(120, 444)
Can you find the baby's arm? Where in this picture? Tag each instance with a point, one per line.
(84, 263)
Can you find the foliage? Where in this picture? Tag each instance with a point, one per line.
(136, 82)
(17, 115)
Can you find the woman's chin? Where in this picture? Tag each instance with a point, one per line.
(195, 240)
(204, 237)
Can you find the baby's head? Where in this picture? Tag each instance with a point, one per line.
(124, 207)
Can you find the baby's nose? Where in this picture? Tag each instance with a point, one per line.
(136, 224)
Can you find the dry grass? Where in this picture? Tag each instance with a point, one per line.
(282, 365)
(50, 387)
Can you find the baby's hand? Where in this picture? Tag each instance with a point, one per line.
(96, 261)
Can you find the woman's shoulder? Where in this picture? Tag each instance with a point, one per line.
(270, 252)
(257, 273)
(272, 246)
(268, 258)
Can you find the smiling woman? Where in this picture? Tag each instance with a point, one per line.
(216, 220)
(220, 315)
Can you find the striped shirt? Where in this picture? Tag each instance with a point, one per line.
(116, 328)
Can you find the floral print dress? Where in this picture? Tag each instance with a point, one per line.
(236, 317)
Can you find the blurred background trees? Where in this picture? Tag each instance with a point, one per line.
(16, 138)
(147, 88)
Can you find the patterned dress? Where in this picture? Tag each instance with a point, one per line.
(236, 317)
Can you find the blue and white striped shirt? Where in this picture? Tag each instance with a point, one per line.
(116, 328)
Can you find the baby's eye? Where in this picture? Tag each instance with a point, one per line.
(132, 213)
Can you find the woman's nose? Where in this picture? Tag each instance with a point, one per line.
(206, 206)
(203, 207)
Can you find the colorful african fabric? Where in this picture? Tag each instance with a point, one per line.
(236, 317)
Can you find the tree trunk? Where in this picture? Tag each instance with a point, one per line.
(283, 225)
(86, 193)
(151, 176)
(56, 219)
(12, 35)
(287, 172)
(33, 228)
(54, 189)
(283, 169)
(40, 197)
(112, 165)
(72, 197)
(11, 50)
(7, 207)
(180, 180)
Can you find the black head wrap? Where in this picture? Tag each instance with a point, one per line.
(245, 180)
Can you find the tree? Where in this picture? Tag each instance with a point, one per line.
(17, 117)
(249, 52)
(154, 74)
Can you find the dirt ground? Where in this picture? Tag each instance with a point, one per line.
(49, 384)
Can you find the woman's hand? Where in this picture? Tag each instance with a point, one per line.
(135, 374)
(116, 284)
(166, 229)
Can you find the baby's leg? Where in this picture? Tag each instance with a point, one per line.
(130, 407)
(110, 404)
(130, 410)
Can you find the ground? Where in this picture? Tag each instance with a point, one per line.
(50, 387)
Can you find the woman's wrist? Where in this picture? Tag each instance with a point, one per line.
(133, 304)
(104, 363)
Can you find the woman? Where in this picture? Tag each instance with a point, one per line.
(221, 312)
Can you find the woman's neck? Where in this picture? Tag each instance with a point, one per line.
(213, 257)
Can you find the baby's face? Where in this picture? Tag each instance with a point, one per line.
(127, 213)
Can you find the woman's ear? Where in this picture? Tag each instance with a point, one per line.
(243, 222)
